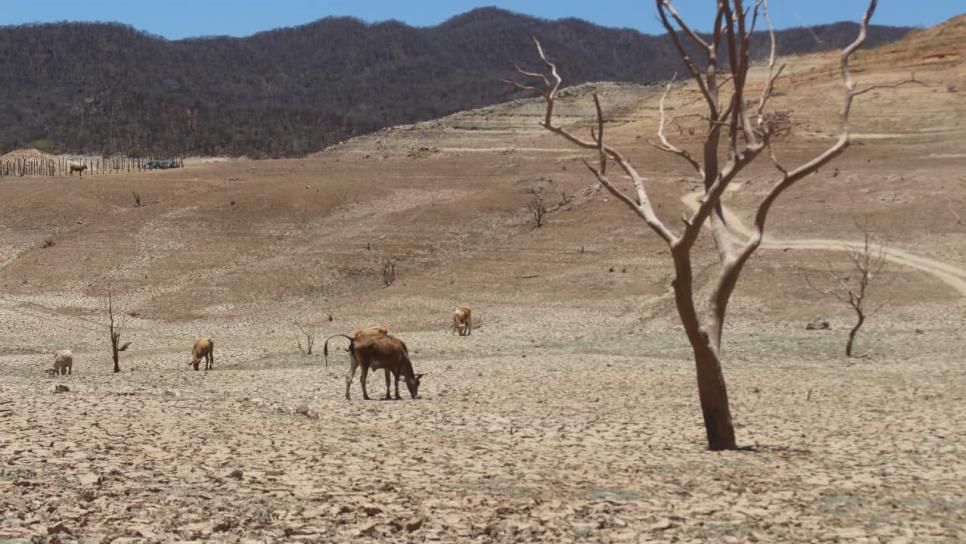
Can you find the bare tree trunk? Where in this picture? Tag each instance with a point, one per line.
(114, 327)
(712, 390)
(714, 400)
(854, 331)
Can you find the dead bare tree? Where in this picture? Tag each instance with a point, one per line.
(537, 209)
(852, 286)
(116, 327)
(309, 340)
(743, 129)
(388, 272)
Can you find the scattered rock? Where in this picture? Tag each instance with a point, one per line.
(306, 411)
(371, 510)
(817, 324)
(414, 523)
(89, 479)
(58, 528)
(370, 530)
(225, 525)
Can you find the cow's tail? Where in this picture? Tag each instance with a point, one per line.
(325, 347)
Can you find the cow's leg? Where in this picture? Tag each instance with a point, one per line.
(396, 374)
(352, 372)
(387, 397)
(211, 355)
(469, 325)
(365, 376)
(70, 369)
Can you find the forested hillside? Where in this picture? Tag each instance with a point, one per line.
(108, 88)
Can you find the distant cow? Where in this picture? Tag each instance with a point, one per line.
(204, 347)
(77, 168)
(63, 362)
(462, 320)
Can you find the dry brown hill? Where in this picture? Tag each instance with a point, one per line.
(446, 199)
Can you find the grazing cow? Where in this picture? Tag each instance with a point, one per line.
(204, 347)
(385, 352)
(63, 362)
(462, 320)
(373, 330)
(77, 168)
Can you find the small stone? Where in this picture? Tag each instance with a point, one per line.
(371, 510)
(225, 525)
(817, 324)
(370, 530)
(414, 523)
(89, 479)
(59, 527)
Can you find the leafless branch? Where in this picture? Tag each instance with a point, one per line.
(665, 145)
(895, 85)
(600, 136)
(642, 204)
(769, 86)
(309, 340)
(664, 8)
(789, 177)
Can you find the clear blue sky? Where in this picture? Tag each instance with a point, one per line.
(176, 19)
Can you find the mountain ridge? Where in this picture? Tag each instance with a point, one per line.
(110, 88)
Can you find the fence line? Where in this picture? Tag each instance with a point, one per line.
(60, 166)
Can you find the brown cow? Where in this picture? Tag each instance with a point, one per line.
(63, 362)
(385, 352)
(77, 168)
(462, 320)
(203, 347)
(372, 330)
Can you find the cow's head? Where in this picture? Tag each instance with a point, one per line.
(413, 385)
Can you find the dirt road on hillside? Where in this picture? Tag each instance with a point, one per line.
(951, 275)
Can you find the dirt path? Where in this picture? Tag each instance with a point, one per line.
(951, 275)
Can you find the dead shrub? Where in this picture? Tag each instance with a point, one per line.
(388, 272)
(537, 210)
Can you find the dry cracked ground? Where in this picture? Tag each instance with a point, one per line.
(570, 415)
